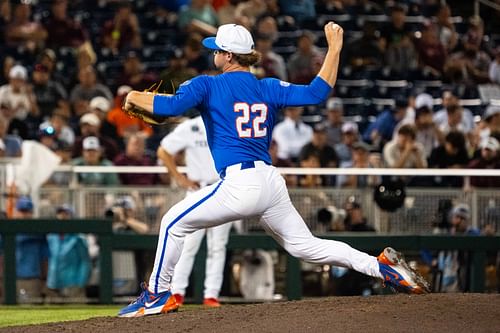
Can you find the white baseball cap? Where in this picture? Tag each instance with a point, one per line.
(349, 126)
(231, 38)
(424, 99)
(91, 143)
(91, 119)
(100, 103)
(334, 103)
(490, 143)
(18, 72)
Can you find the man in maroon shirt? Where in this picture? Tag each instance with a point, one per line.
(135, 155)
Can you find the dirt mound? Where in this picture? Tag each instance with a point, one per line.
(390, 313)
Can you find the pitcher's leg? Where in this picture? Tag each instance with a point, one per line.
(201, 209)
(285, 224)
(217, 238)
(180, 280)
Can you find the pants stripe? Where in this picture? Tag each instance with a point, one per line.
(172, 224)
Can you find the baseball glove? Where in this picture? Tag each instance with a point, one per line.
(137, 111)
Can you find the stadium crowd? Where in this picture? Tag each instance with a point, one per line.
(409, 90)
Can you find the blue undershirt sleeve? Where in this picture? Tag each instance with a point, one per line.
(189, 95)
(288, 94)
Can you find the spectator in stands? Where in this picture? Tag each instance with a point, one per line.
(304, 63)
(355, 219)
(466, 122)
(489, 159)
(491, 118)
(5, 16)
(49, 94)
(404, 151)
(7, 63)
(326, 153)
(199, 17)
(194, 53)
(454, 122)
(135, 73)
(267, 27)
(381, 130)
(360, 159)
(364, 52)
(87, 89)
(69, 261)
(251, 10)
(431, 52)
(450, 155)
(271, 63)
(300, 10)
(135, 155)
(445, 28)
(125, 125)
(395, 31)
(334, 120)
(350, 135)
(494, 70)
(310, 159)
(470, 66)
(58, 123)
(292, 134)
(14, 126)
(176, 73)
(31, 256)
(22, 31)
(100, 106)
(128, 266)
(90, 125)
(454, 266)
(122, 31)
(427, 133)
(62, 30)
(18, 94)
(91, 156)
(9, 144)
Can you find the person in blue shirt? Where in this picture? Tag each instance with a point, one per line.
(239, 113)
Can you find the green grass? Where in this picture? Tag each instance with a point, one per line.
(32, 314)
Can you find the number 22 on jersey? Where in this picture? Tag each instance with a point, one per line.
(247, 111)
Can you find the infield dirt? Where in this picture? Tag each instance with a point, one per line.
(388, 313)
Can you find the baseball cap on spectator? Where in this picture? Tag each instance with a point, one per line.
(491, 111)
(123, 90)
(362, 145)
(91, 119)
(100, 103)
(424, 100)
(91, 143)
(65, 208)
(24, 204)
(349, 126)
(461, 210)
(126, 202)
(231, 38)
(49, 53)
(490, 143)
(319, 127)
(334, 103)
(401, 101)
(18, 72)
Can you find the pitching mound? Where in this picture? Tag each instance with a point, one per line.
(390, 313)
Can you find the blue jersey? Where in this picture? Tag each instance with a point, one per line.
(239, 111)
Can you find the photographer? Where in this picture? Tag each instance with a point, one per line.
(128, 266)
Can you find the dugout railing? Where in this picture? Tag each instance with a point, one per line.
(477, 246)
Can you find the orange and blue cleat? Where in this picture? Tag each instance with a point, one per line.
(149, 303)
(398, 275)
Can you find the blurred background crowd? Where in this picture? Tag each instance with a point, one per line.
(417, 82)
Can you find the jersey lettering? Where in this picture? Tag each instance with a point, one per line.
(260, 110)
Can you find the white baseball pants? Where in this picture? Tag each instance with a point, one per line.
(258, 190)
(217, 238)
